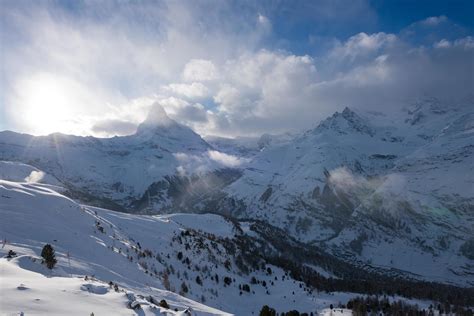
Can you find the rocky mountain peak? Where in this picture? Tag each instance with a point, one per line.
(346, 122)
(159, 128)
(156, 118)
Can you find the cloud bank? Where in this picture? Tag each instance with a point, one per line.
(97, 68)
(212, 159)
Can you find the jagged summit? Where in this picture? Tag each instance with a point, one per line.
(159, 129)
(348, 113)
(346, 122)
(156, 118)
(405, 190)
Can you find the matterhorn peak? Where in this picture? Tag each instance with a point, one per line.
(157, 116)
(158, 127)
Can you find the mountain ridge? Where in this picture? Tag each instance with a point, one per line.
(342, 185)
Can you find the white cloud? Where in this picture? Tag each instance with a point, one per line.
(263, 85)
(263, 20)
(343, 179)
(192, 164)
(466, 42)
(181, 171)
(434, 20)
(444, 43)
(109, 127)
(195, 90)
(383, 193)
(182, 110)
(209, 69)
(264, 23)
(232, 101)
(362, 44)
(212, 159)
(35, 176)
(225, 159)
(369, 75)
(110, 59)
(200, 70)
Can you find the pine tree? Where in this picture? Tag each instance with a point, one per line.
(198, 280)
(48, 255)
(267, 311)
(184, 288)
(164, 304)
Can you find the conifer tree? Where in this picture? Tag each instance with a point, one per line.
(267, 311)
(48, 255)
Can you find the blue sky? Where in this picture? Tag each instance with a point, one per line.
(225, 67)
(297, 23)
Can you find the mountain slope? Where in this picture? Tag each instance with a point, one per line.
(363, 187)
(373, 188)
(145, 255)
(116, 172)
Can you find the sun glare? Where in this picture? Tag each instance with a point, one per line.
(46, 105)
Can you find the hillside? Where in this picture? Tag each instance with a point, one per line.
(144, 255)
(362, 187)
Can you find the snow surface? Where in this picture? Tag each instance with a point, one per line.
(394, 192)
(336, 312)
(33, 215)
(406, 182)
(35, 293)
(402, 186)
(20, 172)
(118, 168)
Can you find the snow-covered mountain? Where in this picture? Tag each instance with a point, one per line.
(369, 187)
(248, 147)
(386, 193)
(20, 172)
(148, 258)
(178, 264)
(88, 260)
(117, 172)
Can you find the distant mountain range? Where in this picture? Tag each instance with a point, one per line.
(391, 193)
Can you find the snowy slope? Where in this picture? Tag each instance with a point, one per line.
(34, 215)
(36, 293)
(118, 169)
(382, 186)
(139, 253)
(363, 186)
(19, 172)
(248, 146)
